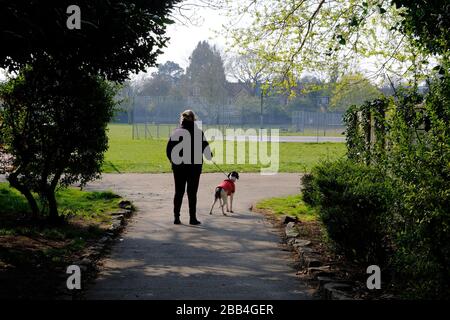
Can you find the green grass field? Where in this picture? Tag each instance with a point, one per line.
(148, 155)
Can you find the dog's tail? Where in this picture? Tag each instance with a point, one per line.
(217, 192)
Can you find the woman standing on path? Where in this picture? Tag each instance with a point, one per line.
(185, 150)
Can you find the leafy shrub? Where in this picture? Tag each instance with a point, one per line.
(353, 201)
(420, 164)
(390, 202)
(310, 190)
(366, 129)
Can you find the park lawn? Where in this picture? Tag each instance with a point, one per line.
(291, 206)
(33, 254)
(149, 156)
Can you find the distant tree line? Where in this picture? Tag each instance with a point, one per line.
(205, 87)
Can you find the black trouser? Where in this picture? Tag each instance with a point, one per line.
(190, 176)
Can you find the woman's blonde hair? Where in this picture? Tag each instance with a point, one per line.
(187, 115)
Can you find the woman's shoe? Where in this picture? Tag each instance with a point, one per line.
(194, 222)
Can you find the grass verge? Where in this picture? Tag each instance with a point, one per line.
(291, 206)
(309, 227)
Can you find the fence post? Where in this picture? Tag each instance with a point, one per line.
(372, 131)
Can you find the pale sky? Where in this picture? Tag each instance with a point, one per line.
(184, 36)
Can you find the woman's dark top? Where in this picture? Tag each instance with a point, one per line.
(196, 160)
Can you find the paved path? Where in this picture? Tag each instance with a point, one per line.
(235, 257)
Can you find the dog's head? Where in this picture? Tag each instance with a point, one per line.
(233, 176)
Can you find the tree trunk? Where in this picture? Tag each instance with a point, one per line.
(52, 205)
(26, 192)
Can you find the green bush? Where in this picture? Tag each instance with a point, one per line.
(390, 203)
(420, 165)
(310, 190)
(353, 200)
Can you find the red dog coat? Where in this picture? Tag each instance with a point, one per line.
(228, 186)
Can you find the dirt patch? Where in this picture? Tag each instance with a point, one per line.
(35, 256)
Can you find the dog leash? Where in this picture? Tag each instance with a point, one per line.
(219, 168)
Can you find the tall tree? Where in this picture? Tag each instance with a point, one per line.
(163, 80)
(170, 70)
(206, 77)
(246, 69)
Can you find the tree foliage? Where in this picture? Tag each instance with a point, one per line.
(352, 89)
(428, 22)
(57, 107)
(116, 37)
(163, 81)
(205, 76)
(291, 37)
(244, 69)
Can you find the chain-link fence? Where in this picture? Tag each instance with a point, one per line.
(157, 117)
(318, 123)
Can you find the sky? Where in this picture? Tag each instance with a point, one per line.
(184, 36)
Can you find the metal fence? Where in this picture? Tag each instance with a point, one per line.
(156, 117)
(318, 123)
(311, 124)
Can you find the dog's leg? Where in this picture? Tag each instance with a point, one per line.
(215, 200)
(231, 202)
(223, 196)
(226, 201)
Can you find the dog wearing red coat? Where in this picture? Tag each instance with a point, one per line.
(224, 190)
